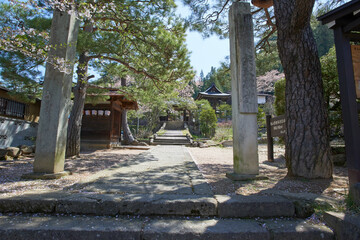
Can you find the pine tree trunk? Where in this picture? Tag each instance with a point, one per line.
(307, 140)
(128, 137)
(74, 125)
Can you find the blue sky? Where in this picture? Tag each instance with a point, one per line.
(205, 53)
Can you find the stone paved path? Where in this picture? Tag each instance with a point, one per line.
(162, 170)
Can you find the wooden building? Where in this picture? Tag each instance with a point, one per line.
(101, 123)
(12, 107)
(214, 96)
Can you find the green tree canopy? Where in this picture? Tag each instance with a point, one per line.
(21, 73)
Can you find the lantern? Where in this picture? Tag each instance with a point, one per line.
(262, 3)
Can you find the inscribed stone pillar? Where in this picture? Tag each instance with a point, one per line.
(243, 92)
(55, 105)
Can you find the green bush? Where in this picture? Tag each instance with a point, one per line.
(225, 111)
(261, 118)
(280, 97)
(208, 122)
(331, 92)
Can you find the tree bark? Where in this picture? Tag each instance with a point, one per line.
(74, 125)
(307, 140)
(128, 137)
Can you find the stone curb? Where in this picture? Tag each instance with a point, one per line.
(87, 228)
(305, 202)
(281, 229)
(254, 206)
(141, 204)
(345, 226)
(174, 205)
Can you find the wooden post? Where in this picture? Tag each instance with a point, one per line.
(349, 105)
(270, 142)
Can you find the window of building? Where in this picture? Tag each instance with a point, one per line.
(12, 108)
(94, 112)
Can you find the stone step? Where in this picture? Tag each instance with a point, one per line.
(38, 227)
(162, 141)
(171, 135)
(149, 205)
(170, 143)
(172, 139)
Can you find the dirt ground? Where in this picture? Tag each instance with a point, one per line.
(213, 162)
(88, 164)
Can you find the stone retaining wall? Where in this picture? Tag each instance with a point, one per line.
(15, 132)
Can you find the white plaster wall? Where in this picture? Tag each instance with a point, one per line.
(261, 99)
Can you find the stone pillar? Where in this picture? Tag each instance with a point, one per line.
(243, 92)
(56, 101)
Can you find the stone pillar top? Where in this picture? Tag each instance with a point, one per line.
(242, 57)
(243, 7)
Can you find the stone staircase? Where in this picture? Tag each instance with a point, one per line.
(115, 216)
(172, 137)
(160, 194)
(172, 133)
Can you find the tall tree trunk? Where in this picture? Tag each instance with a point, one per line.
(128, 137)
(74, 125)
(307, 140)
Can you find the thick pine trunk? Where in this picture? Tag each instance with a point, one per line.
(307, 140)
(74, 125)
(128, 137)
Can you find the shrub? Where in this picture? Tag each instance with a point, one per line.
(280, 97)
(261, 119)
(225, 111)
(208, 122)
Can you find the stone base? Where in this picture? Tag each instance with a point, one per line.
(45, 176)
(245, 177)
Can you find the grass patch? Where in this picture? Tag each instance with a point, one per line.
(351, 205)
(161, 132)
(223, 132)
(186, 132)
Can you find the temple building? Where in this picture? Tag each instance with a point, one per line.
(214, 96)
(101, 123)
